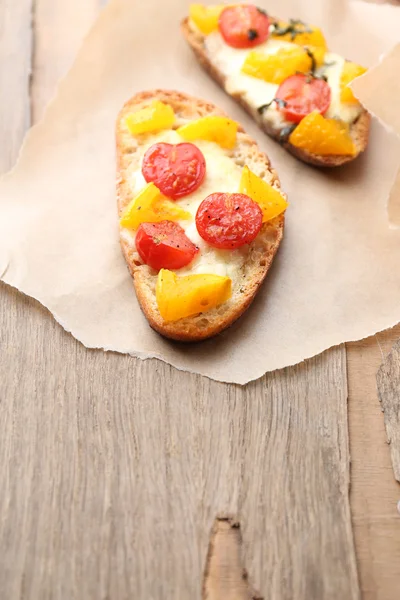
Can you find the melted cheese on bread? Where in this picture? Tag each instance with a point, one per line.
(257, 92)
(222, 175)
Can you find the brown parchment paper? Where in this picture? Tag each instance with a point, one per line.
(336, 276)
(379, 89)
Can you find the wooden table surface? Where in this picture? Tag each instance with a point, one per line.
(116, 473)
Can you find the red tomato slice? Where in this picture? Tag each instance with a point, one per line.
(302, 94)
(164, 245)
(244, 26)
(228, 220)
(177, 170)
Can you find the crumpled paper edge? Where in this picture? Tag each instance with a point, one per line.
(147, 356)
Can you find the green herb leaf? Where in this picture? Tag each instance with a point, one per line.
(279, 101)
(313, 61)
(295, 27)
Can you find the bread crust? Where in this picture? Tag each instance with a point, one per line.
(261, 251)
(359, 130)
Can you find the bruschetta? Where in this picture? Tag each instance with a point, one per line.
(201, 213)
(283, 74)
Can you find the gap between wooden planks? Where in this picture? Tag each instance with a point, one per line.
(80, 403)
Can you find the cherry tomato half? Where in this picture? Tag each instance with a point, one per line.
(303, 94)
(228, 220)
(177, 170)
(244, 26)
(164, 245)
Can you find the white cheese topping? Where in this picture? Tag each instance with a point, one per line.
(222, 175)
(342, 110)
(257, 92)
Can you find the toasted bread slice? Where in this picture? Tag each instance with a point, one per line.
(359, 130)
(260, 252)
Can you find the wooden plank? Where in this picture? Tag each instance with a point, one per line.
(388, 380)
(115, 469)
(374, 492)
(120, 478)
(300, 503)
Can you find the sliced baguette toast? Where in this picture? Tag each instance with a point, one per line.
(359, 130)
(260, 253)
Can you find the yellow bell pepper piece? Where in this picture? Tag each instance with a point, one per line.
(350, 71)
(150, 206)
(184, 296)
(297, 34)
(271, 202)
(214, 129)
(155, 117)
(205, 17)
(322, 136)
(275, 68)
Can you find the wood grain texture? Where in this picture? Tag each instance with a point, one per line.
(388, 381)
(374, 492)
(113, 470)
(122, 466)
